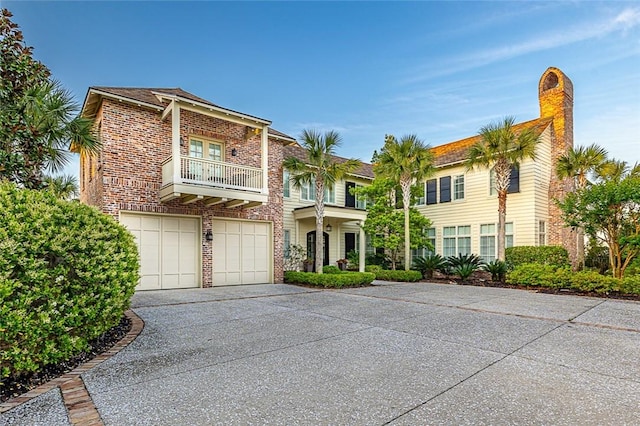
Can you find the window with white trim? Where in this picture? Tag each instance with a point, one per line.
(424, 251)
(286, 186)
(542, 233)
(287, 243)
(488, 242)
(361, 200)
(458, 187)
(456, 240)
(308, 193)
(198, 147)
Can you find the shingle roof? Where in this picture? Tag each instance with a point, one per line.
(365, 170)
(147, 95)
(456, 152)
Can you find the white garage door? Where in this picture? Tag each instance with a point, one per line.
(169, 250)
(241, 252)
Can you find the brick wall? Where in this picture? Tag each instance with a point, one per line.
(136, 142)
(556, 100)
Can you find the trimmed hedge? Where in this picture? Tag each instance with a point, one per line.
(330, 269)
(402, 276)
(546, 255)
(533, 274)
(67, 274)
(339, 280)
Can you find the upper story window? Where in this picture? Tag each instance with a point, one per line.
(201, 148)
(514, 181)
(458, 187)
(445, 189)
(432, 191)
(286, 185)
(352, 200)
(308, 193)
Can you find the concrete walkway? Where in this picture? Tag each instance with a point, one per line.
(400, 354)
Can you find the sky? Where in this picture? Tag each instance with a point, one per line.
(440, 70)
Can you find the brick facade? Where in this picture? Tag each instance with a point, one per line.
(555, 92)
(128, 171)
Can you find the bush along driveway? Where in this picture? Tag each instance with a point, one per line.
(392, 353)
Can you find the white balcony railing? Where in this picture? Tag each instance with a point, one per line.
(213, 173)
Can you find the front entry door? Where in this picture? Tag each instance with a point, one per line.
(311, 247)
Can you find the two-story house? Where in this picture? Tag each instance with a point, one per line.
(203, 189)
(344, 212)
(462, 204)
(199, 185)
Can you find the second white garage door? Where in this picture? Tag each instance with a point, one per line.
(242, 252)
(169, 250)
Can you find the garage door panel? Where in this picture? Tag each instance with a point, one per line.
(169, 250)
(241, 252)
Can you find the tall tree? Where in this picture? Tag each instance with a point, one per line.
(385, 223)
(577, 165)
(322, 170)
(404, 162)
(502, 148)
(38, 119)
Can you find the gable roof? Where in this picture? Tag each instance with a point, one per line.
(148, 96)
(456, 152)
(365, 170)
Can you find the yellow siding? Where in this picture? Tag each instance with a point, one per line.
(478, 207)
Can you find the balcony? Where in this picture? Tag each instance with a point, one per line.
(212, 182)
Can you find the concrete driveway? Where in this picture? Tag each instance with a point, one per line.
(400, 354)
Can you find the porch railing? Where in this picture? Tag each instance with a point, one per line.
(200, 171)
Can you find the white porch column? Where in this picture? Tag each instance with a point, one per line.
(363, 249)
(265, 159)
(175, 142)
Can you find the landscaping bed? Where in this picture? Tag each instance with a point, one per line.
(15, 386)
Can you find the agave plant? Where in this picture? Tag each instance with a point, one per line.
(427, 264)
(464, 265)
(497, 268)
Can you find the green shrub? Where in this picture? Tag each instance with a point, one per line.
(428, 264)
(373, 268)
(630, 285)
(331, 269)
(67, 273)
(497, 269)
(339, 280)
(402, 276)
(547, 255)
(533, 274)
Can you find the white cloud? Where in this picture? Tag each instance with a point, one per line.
(624, 21)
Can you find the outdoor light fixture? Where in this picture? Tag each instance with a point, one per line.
(234, 152)
(181, 141)
(329, 228)
(209, 235)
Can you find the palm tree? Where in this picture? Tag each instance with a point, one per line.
(50, 129)
(322, 170)
(502, 148)
(405, 162)
(616, 170)
(64, 187)
(578, 164)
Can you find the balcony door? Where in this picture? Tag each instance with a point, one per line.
(200, 148)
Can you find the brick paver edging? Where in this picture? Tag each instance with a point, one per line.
(74, 394)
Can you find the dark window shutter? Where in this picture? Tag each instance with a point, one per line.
(514, 183)
(349, 242)
(445, 189)
(349, 199)
(432, 191)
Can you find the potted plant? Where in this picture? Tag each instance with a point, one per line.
(308, 264)
(342, 264)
